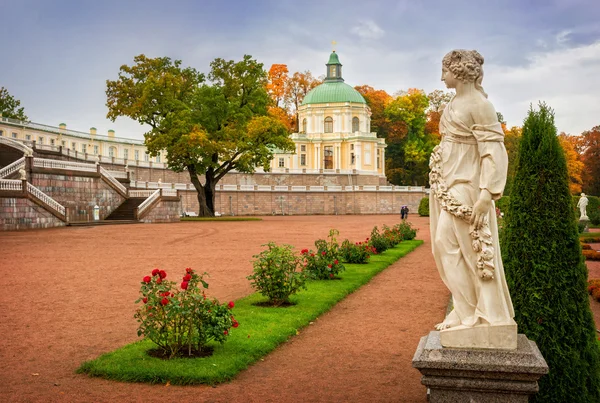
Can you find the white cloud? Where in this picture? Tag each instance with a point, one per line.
(368, 29)
(563, 36)
(565, 78)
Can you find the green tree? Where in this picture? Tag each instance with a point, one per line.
(545, 269)
(207, 129)
(409, 147)
(512, 139)
(9, 106)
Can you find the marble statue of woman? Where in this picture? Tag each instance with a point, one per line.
(468, 172)
(582, 204)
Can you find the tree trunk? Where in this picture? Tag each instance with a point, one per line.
(206, 193)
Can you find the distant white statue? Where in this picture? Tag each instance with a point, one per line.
(468, 172)
(582, 204)
(22, 174)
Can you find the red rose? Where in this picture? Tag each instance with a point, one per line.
(145, 299)
(187, 277)
(330, 275)
(230, 304)
(225, 332)
(335, 261)
(235, 324)
(184, 285)
(329, 265)
(164, 301)
(155, 272)
(147, 279)
(162, 274)
(158, 281)
(304, 251)
(312, 255)
(189, 270)
(323, 253)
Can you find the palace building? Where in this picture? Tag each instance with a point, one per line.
(335, 131)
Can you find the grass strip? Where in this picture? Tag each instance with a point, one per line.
(586, 235)
(229, 218)
(261, 330)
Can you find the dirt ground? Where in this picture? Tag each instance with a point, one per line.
(68, 296)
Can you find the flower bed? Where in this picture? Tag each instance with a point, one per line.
(261, 330)
(591, 254)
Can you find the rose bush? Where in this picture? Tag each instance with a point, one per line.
(356, 252)
(178, 317)
(277, 273)
(325, 263)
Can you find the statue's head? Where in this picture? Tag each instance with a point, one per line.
(463, 65)
(583, 195)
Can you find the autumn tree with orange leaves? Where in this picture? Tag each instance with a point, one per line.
(574, 163)
(278, 78)
(297, 86)
(590, 155)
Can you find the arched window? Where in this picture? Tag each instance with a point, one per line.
(354, 124)
(304, 123)
(328, 124)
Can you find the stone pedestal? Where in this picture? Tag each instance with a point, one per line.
(479, 375)
(586, 223)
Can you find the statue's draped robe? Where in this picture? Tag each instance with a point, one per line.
(473, 158)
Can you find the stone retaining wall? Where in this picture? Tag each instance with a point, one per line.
(22, 213)
(79, 194)
(306, 203)
(164, 211)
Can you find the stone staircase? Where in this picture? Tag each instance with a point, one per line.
(126, 211)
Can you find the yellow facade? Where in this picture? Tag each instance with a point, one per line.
(331, 144)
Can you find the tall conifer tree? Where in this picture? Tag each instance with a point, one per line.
(545, 270)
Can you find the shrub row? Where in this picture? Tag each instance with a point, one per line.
(279, 273)
(594, 288)
(424, 207)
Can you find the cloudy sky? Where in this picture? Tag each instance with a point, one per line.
(58, 54)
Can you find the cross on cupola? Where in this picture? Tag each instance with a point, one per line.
(334, 68)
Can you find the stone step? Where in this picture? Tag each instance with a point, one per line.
(100, 222)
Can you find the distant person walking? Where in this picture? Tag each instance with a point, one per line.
(404, 212)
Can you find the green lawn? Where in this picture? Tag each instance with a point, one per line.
(261, 330)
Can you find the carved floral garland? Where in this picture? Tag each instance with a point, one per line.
(482, 238)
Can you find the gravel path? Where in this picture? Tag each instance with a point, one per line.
(68, 297)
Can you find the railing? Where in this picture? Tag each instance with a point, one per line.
(47, 147)
(15, 144)
(118, 174)
(11, 184)
(15, 166)
(140, 193)
(169, 192)
(45, 198)
(118, 185)
(58, 164)
(146, 203)
(269, 188)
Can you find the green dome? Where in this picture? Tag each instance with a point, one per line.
(333, 91)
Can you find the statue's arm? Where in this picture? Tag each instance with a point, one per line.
(492, 152)
(493, 159)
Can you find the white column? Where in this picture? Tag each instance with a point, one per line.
(358, 156)
(317, 157)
